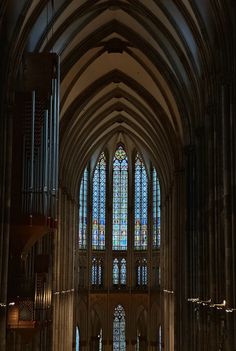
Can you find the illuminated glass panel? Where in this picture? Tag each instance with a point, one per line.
(100, 340)
(119, 343)
(99, 204)
(116, 271)
(156, 210)
(137, 342)
(99, 281)
(141, 205)
(144, 273)
(94, 271)
(77, 339)
(123, 272)
(138, 274)
(159, 339)
(96, 278)
(83, 210)
(120, 199)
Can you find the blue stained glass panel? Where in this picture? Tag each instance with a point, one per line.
(94, 272)
(99, 204)
(141, 205)
(123, 272)
(144, 273)
(77, 339)
(83, 210)
(120, 199)
(115, 271)
(119, 343)
(156, 210)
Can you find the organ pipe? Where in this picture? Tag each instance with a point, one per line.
(32, 151)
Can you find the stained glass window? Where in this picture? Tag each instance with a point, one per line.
(97, 266)
(116, 271)
(77, 339)
(99, 281)
(120, 199)
(99, 204)
(119, 271)
(141, 205)
(83, 210)
(142, 272)
(139, 274)
(156, 210)
(119, 343)
(123, 272)
(94, 271)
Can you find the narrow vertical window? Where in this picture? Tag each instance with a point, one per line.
(120, 199)
(83, 210)
(142, 273)
(156, 210)
(99, 281)
(115, 271)
(159, 339)
(141, 205)
(100, 340)
(123, 272)
(77, 339)
(138, 342)
(119, 343)
(138, 268)
(94, 271)
(97, 272)
(99, 204)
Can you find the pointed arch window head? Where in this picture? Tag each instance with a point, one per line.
(99, 204)
(83, 210)
(120, 199)
(119, 343)
(156, 210)
(141, 205)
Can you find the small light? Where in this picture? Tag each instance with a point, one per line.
(12, 303)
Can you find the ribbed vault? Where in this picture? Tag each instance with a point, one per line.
(135, 67)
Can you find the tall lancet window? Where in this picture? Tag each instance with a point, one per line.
(83, 210)
(156, 210)
(120, 199)
(141, 205)
(99, 204)
(119, 343)
(77, 339)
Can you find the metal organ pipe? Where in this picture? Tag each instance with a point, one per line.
(32, 151)
(45, 159)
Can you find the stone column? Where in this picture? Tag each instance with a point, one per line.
(5, 192)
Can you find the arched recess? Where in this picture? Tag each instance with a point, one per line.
(141, 328)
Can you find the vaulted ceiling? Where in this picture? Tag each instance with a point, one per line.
(127, 66)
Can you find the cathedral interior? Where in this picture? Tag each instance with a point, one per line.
(118, 175)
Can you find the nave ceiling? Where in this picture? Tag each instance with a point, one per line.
(127, 66)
